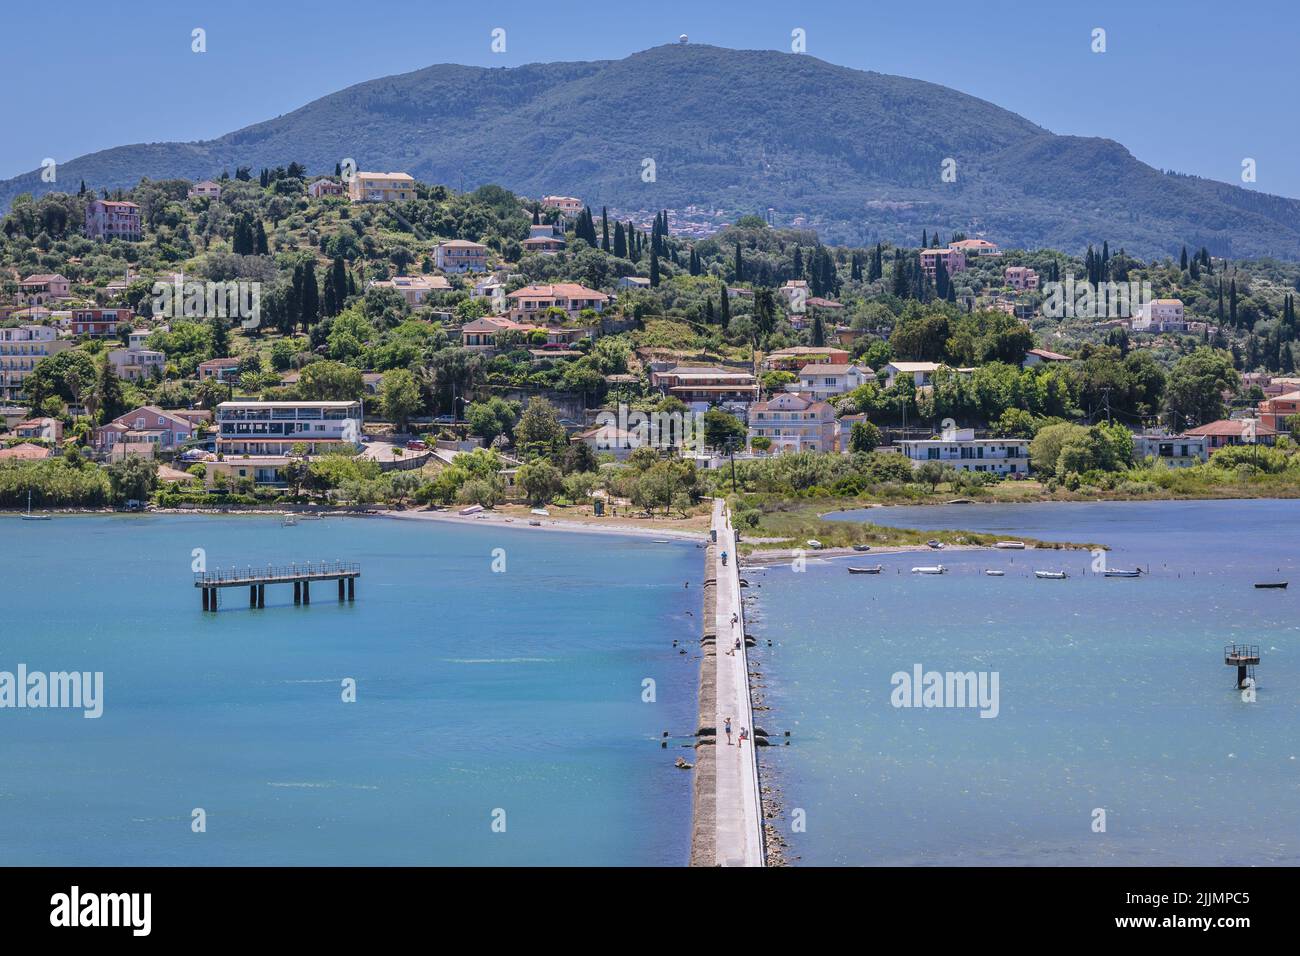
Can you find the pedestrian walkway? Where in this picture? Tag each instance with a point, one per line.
(739, 809)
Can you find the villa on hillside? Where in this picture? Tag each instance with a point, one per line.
(569, 205)
(107, 220)
(205, 190)
(43, 289)
(460, 255)
(533, 300)
(1042, 357)
(326, 187)
(976, 247)
(492, 332)
(143, 431)
(381, 187)
(824, 382)
(1021, 278)
(796, 357)
(544, 239)
(954, 260)
(414, 289)
(1160, 315)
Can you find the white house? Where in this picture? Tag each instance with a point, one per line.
(828, 381)
(963, 451)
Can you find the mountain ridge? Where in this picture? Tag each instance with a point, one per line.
(858, 153)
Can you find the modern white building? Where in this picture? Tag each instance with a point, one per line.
(1161, 315)
(273, 428)
(1176, 451)
(964, 452)
(20, 349)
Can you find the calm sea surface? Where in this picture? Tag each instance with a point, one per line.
(477, 692)
(1113, 692)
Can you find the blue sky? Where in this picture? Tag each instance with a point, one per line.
(1192, 86)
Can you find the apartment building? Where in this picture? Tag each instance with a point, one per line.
(137, 364)
(954, 260)
(1161, 315)
(381, 187)
(1274, 412)
(1176, 451)
(20, 349)
(964, 452)
(98, 323)
(797, 357)
(205, 190)
(569, 205)
(793, 422)
(460, 255)
(273, 428)
(106, 219)
(706, 385)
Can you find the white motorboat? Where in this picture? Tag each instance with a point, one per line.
(1051, 575)
(994, 573)
(935, 543)
(1010, 545)
(932, 569)
(1122, 573)
(814, 544)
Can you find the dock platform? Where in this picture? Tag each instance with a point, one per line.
(301, 576)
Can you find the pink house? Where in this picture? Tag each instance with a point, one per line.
(793, 422)
(325, 187)
(1021, 278)
(107, 219)
(954, 260)
(43, 288)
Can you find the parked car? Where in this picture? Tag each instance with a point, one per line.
(415, 445)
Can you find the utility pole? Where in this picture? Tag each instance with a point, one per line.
(1105, 397)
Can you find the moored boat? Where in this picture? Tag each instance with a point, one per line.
(1122, 573)
(875, 570)
(994, 572)
(936, 544)
(1051, 575)
(932, 569)
(862, 547)
(28, 516)
(1278, 585)
(1010, 545)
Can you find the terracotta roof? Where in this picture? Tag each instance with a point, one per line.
(1231, 428)
(24, 452)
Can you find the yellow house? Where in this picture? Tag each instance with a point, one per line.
(381, 187)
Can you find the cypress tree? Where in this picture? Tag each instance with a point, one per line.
(339, 279)
(1182, 260)
(263, 249)
(620, 241)
(724, 308)
(310, 295)
(604, 228)
(740, 264)
(654, 267)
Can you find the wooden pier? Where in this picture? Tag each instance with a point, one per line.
(301, 576)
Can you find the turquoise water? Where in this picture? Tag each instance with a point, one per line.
(476, 692)
(1113, 692)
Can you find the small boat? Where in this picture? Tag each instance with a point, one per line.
(1010, 545)
(935, 543)
(994, 573)
(28, 516)
(471, 510)
(535, 523)
(289, 521)
(663, 541)
(1051, 575)
(934, 569)
(1122, 573)
(1279, 585)
(542, 512)
(862, 547)
(875, 570)
(814, 544)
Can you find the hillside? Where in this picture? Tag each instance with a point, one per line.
(856, 153)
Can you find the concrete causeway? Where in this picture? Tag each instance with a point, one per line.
(738, 822)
